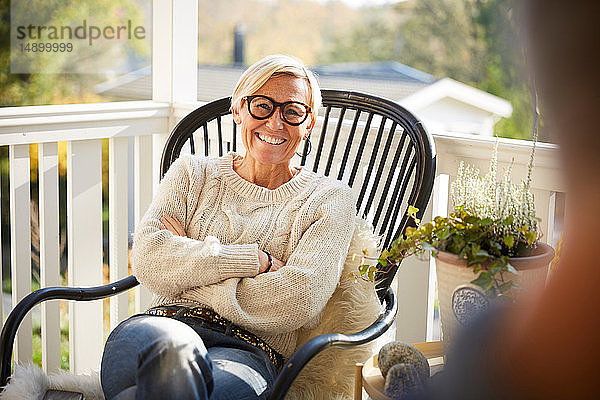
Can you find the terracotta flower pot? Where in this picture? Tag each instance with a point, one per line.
(453, 274)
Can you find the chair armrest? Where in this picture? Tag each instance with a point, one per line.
(9, 330)
(304, 354)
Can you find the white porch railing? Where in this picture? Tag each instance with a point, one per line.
(83, 127)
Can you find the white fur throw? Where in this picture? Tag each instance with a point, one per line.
(330, 375)
(28, 382)
(353, 307)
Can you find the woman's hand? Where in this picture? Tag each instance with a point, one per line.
(263, 260)
(172, 225)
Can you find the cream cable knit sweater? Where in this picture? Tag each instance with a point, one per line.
(307, 223)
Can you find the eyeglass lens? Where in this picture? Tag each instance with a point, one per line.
(263, 107)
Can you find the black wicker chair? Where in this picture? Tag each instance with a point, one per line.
(398, 170)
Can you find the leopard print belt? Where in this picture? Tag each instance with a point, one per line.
(217, 323)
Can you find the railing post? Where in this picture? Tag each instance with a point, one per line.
(415, 305)
(49, 253)
(84, 229)
(143, 197)
(20, 248)
(118, 225)
(440, 199)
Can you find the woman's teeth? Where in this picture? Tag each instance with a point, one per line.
(269, 139)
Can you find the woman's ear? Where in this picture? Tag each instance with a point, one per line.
(311, 125)
(237, 118)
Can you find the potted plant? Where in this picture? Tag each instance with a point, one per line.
(488, 246)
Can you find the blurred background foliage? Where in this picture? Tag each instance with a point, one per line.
(43, 88)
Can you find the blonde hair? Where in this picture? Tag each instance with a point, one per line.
(277, 64)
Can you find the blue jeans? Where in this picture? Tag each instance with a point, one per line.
(153, 357)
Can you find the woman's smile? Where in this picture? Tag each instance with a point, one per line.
(272, 140)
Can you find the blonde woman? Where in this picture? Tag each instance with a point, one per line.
(240, 253)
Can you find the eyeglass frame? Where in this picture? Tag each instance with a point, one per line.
(276, 104)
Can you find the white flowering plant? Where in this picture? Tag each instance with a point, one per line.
(492, 221)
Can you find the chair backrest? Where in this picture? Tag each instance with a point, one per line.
(374, 145)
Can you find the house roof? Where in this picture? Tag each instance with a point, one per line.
(450, 88)
(388, 79)
(135, 85)
(387, 70)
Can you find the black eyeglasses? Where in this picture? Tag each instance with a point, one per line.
(292, 112)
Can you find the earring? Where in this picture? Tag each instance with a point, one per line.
(306, 152)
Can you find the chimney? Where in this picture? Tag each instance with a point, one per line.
(238, 44)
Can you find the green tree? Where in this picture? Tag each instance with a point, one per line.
(442, 39)
(476, 42)
(506, 72)
(479, 43)
(373, 37)
(473, 41)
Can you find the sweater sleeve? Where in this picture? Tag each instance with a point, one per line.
(168, 264)
(286, 299)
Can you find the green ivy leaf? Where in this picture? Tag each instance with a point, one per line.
(509, 240)
(476, 260)
(531, 237)
(483, 253)
(495, 245)
(471, 220)
(444, 234)
(484, 280)
(511, 269)
(427, 228)
(412, 210)
(508, 220)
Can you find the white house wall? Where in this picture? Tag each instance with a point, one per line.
(453, 116)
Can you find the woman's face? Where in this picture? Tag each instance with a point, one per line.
(272, 140)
